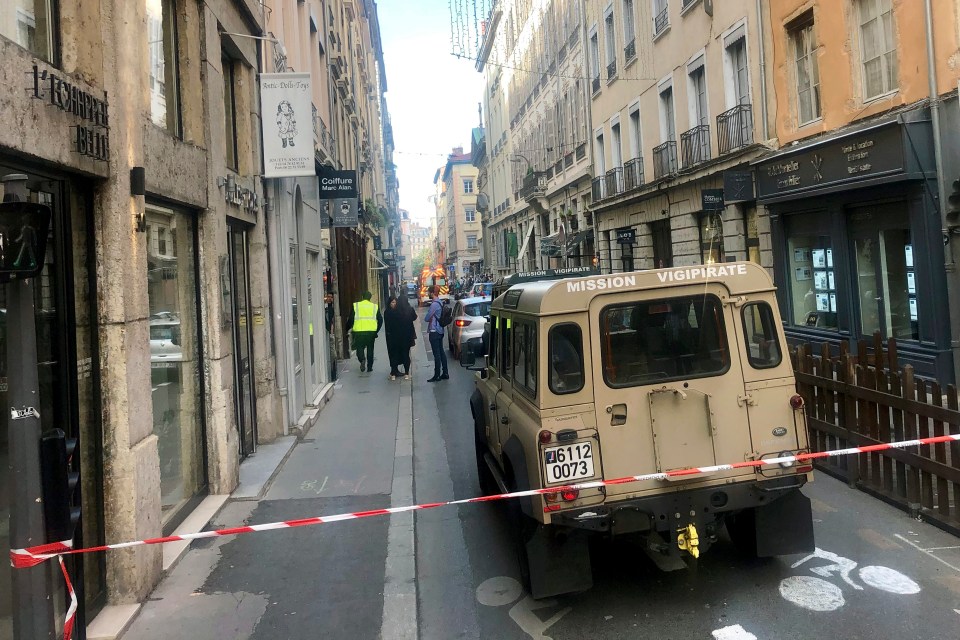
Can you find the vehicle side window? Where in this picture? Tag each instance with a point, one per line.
(506, 329)
(665, 339)
(566, 358)
(760, 331)
(525, 357)
(494, 330)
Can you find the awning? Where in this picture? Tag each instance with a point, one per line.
(383, 265)
(526, 242)
(575, 239)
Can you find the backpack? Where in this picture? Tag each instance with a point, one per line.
(446, 316)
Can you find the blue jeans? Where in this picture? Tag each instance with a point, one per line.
(439, 356)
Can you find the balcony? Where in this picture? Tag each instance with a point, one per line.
(695, 145)
(633, 174)
(581, 151)
(598, 188)
(568, 160)
(665, 159)
(614, 182)
(661, 21)
(611, 70)
(735, 128)
(630, 51)
(595, 84)
(322, 138)
(534, 186)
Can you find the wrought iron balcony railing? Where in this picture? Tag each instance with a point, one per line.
(534, 185)
(633, 174)
(611, 70)
(695, 145)
(614, 182)
(665, 159)
(596, 84)
(598, 188)
(661, 21)
(630, 51)
(735, 128)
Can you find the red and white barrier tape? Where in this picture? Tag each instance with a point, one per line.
(23, 558)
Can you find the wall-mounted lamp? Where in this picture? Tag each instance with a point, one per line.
(138, 189)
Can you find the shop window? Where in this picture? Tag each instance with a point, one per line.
(174, 339)
(525, 357)
(164, 85)
(230, 112)
(566, 359)
(760, 333)
(711, 237)
(887, 284)
(657, 341)
(813, 282)
(29, 23)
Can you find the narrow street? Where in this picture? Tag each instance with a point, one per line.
(879, 573)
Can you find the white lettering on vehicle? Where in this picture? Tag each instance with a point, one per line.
(600, 284)
(681, 275)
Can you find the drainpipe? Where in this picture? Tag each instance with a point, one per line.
(588, 97)
(277, 291)
(952, 275)
(763, 71)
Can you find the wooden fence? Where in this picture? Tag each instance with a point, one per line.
(866, 398)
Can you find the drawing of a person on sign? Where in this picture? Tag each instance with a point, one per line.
(286, 123)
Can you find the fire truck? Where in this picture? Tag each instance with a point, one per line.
(430, 277)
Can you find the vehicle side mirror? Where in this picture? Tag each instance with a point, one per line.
(473, 356)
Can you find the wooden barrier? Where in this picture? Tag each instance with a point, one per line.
(867, 398)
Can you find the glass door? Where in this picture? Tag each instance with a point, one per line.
(244, 397)
(886, 282)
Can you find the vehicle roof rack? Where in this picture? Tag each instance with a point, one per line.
(504, 283)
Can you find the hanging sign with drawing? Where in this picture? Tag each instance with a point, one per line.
(287, 107)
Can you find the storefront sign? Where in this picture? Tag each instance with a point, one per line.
(626, 236)
(345, 212)
(287, 121)
(91, 137)
(337, 184)
(737, 186)
(711, 199)
(863, 155)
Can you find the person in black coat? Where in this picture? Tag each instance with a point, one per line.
(399, 319)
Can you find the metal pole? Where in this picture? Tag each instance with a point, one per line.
(32, 594)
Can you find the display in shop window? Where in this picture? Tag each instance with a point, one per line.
(801, 254)
(819, 259)
(913, 309)
(833, 303)
(820, 280)
(831, 281)
(908, 254)
(823, 302)
(803, 273)
(911, 283)
(830, 259)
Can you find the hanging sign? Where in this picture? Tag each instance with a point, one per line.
(287, 120)
(626, 236)
(345, 212)
(337, 184)
(712, 199)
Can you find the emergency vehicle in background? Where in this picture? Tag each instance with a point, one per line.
(430, 277)
(607, 376)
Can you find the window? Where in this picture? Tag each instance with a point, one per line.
(760, 333)
(566, 358)
(29, 23)
(230, 113)
(506, 347)
(595, 61)
(525, 357)
(617, 147)
(661, 16)
(737, 72)
(164, 88)
(470, 215)
(668, 125)
(813, 286)
(629, 31)
(698, 95)
(600, 158)
(656, 341)
(493, 327)
(808, 70)
(610, 40)
(636, 142)
(471, 242)
(752, 234)
(877, 47)
(477, 309)
(887, 282)
(711, 237)
(468, 185)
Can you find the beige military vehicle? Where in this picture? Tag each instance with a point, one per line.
(607, 376)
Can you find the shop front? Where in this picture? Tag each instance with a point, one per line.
(857, 242)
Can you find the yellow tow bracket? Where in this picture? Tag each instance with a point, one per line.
(689, 540)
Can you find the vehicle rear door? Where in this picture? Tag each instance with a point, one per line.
(669, 388)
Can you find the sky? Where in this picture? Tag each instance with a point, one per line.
(432, 96)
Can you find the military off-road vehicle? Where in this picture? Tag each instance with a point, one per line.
(607, 376)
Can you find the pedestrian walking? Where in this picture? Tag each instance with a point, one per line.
(365, 321)
(398, 319)
(435, 333)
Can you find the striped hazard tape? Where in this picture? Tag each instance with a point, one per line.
(24, 558)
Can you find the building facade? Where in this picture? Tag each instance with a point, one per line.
(458, 220)
(864, 236)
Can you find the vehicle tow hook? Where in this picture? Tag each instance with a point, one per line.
(689, 540)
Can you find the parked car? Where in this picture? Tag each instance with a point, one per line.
(469, 319)
(165, 342)
(482, 290)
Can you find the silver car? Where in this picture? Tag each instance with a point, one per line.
(469, 319)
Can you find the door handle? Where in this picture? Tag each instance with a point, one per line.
(618, 414)
(504, 420)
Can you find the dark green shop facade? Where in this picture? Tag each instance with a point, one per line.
(857, 239)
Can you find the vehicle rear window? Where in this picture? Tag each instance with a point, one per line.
(525, 357)
(566, 358)
(661, 340)
(479, 309)
(760, 331)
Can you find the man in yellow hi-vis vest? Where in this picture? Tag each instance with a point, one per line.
(365, 321)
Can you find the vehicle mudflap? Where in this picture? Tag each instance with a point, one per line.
(559, 562)
(784, 526)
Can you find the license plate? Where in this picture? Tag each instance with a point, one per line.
(568, 462)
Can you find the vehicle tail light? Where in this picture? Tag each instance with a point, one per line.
(786, 454)
(806, 467)
(796, 402)
(552, 497)
(545, 437)
(569, 495)
(462, 323)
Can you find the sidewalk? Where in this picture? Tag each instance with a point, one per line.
(331, 580)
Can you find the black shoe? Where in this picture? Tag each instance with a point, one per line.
(444, 377)
(363, 367)
(434, 379)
